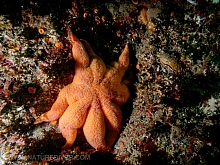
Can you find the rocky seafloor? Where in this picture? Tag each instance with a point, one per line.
(173, 114)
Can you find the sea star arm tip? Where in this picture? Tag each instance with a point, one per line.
(71, 36)
(79, 52)
(56, 110)
(124, 58)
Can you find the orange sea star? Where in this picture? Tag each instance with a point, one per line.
(92, 100)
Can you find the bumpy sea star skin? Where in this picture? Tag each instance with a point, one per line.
(92, 100)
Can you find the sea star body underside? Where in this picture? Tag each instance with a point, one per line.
(93, 99)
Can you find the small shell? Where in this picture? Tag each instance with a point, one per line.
(171, 61)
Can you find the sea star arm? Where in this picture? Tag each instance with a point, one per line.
(113, 120)
(94, 127)
(72, 119)
(117, 70)
(57, 109)
(122, 64)
(89, 49)
(97, 66)
(118, 91)
(124, 59)
(79, 53)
